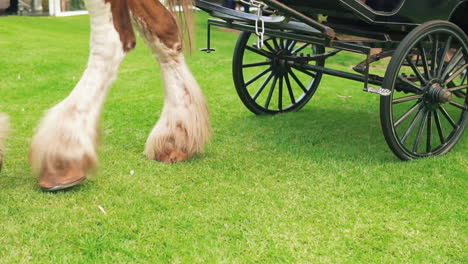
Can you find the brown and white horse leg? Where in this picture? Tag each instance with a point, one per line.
(3, 134)
(64, 147)
(184, 127)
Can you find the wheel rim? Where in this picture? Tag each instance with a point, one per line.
(428, 104)
(265, 79)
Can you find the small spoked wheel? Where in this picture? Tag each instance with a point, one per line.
(266, 80)
(426, 113)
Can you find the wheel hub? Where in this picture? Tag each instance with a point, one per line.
(279, 62)
(436, 94)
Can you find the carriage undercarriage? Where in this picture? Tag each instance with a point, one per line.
(279, 60)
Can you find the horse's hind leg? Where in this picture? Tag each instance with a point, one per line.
(183, 127)
(63, 149)
(3, 134)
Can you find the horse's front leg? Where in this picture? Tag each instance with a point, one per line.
(64, 147)
(183, 127)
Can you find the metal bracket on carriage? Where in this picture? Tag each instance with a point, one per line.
(379, 91)
(363, 65)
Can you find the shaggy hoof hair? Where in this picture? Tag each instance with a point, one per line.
(175, 139)
(172, 145)
(3, 134)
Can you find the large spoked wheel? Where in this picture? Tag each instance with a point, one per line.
(426, 113)
(265, 80)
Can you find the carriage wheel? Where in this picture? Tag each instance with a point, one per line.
(426, 113)
(265, 81)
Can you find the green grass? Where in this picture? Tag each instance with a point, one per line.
(316, 186)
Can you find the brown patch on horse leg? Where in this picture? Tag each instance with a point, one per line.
(156, 21)
(122, 23)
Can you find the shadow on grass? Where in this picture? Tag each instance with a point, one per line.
(317, 133)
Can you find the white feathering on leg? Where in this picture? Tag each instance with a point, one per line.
(184, 123)
(67, 135)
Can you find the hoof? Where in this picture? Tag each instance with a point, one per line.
(52, 181)
(171, 156)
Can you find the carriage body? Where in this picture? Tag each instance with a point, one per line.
(389, 12)
(423, 106)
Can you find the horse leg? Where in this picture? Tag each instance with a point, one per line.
(3, 134)
(183, 127)
(63, 148)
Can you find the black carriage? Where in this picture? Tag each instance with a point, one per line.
(280, 56)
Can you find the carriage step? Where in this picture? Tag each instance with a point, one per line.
(380, 91)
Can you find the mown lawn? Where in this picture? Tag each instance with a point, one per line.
(315, 186)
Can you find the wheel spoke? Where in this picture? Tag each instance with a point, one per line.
(458, 88)
(407, 98)
(435, 47)
(458, 105)
(416, 88)
(259, 52)
(258, 76)
(454, 61)
(297, 80)
(415, 69)
(424, 61)
(464, 78)
(280, 94)
(407, 114)
(264, 84)
(303, 46)
(447, 116)
(456, 73)
(429, 132)
(283, 43)
(460, 94)
(275, 43)
(444, 54)
(291, 45)
(290, 91)
(270, 93)
(268, 46)
(311, 74)
(411, 126)
(440, 131)
(420, 131)
(256, 64)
